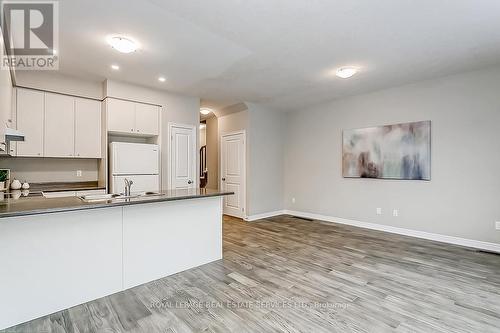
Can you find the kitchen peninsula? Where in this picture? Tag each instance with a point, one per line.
(56, 253)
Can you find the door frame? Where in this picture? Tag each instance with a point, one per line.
(244, 181)
(194, 146)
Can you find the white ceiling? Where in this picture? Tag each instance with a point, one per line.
(279, 52)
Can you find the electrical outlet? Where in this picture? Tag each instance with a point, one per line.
(293, 200)
(497, 225)
(78, 173)
(395, 213)
(379, 211)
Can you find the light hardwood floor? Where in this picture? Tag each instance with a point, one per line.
(291, 275)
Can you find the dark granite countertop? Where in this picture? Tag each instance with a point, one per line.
(23, 206)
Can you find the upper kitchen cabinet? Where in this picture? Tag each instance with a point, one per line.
(146, 119)
(132, 118)
(121, 116)
(87, 128)
(29, 120)
(59, 126)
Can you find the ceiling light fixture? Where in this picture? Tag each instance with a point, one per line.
(205, 111)
(346, 72)
(122, 44)
(162, 79)
(115, 67)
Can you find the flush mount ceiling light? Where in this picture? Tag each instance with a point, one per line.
(115, 67)
(205, 111)
(346, 72)
(162, 79)
(122, 44)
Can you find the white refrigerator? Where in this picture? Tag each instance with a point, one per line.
(138, 162)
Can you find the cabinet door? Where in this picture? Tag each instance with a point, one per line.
(30, 122)
(87, 128)
(59, 126)
(146, 119)
(121, 116)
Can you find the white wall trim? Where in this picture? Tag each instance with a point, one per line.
(493, 247)
(263, 215)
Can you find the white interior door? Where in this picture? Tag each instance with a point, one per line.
(182, 156)
(233, 159)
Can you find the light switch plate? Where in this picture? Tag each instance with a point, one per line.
(395, 213)
(379, 211)
(78, 173)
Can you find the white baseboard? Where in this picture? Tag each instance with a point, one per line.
(263, 215)
(493, 247)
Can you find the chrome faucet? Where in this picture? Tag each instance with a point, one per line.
(128, 185)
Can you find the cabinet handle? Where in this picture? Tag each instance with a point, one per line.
(137, 130)
(132, 130)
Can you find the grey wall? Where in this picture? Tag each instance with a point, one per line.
(462, 199)
(212, 132)
(266, 159)
(265, 132)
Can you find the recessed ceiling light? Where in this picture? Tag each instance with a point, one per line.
(122, 44)
(202, 126)
(346, 72)
(115, 67)
(162, 79)
(205, 111)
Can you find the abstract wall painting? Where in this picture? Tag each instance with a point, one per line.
(401, 151)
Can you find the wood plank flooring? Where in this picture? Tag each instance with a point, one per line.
(285, 274)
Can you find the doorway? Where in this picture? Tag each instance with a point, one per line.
(182, 153)
(233, 172)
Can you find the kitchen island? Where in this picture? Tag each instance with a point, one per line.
(60, 252)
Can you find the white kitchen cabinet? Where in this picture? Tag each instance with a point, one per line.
(121, 116)
(59, 126)
(29, 120)
(87, 128)
(132, 118)
(146, 119)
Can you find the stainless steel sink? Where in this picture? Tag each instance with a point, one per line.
(106, 197)
(100, 197)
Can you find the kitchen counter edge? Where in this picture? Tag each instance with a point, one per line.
(69, 204)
